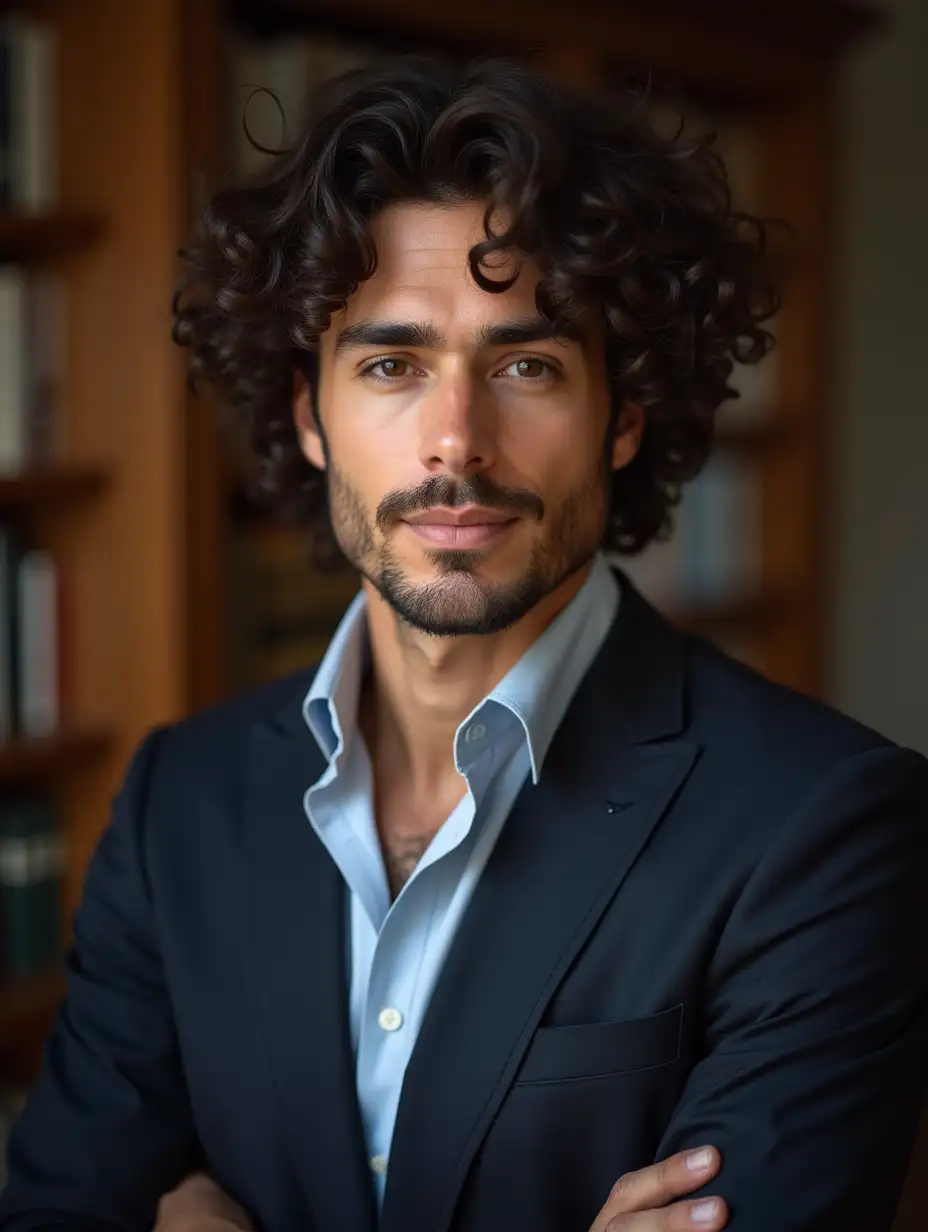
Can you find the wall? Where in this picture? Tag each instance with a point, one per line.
(880, 419)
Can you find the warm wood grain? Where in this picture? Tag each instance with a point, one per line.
(33, 758)
(121, 157)
(25, 238)
(46, 487)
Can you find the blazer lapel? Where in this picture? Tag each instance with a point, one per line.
(299, 976)
(561, 857)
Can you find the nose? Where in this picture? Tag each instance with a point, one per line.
(457, 428)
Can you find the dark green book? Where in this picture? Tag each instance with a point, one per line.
(11, 552)
(31, 864)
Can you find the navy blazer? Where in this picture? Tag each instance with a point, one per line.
(708, 923)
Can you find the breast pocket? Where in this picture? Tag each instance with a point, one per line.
(559, 1054)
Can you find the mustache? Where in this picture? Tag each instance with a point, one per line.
(454, 494)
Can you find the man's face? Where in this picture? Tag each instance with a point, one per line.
(466, 451)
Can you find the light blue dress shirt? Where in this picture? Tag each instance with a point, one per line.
(397, 949)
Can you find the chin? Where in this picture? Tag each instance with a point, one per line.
(461, 593)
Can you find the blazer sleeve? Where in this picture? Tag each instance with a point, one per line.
(108, 1128)
(814, 1068)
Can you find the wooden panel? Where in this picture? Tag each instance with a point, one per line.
(121, 159)
(796, 185)
(45, 487)
(38, 757)
(206, 498)
(42, 237)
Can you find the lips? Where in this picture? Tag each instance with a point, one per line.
(472, 516)
(463, 529)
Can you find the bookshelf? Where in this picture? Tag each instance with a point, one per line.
(109, 503)
(39, 757)
(50, 485)
(46, 237)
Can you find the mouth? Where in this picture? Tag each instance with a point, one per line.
(468, 528)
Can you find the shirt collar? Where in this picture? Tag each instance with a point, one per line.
(331, 705)
(535, 692)
(541, 685)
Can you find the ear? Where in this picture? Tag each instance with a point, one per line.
(304, 418)
(628, 434)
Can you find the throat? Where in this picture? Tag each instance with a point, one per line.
(406, 832)
(400, 858)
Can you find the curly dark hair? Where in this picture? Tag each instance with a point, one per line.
(639, 228)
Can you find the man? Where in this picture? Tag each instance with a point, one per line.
(522, 891)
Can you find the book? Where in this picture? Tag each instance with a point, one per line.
(31, 866)
(37, 683)
(11, 551)
(32, 364)
(720, 525)
(28, 137)
(272, 80)
(285, 610)
(31, 666)
(713, 556)
(13, 367)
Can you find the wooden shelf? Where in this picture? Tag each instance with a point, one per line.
(50, 486)
(27, 1007)
(24, 759)
(750, 610)
(43, 237)
(757, 437)
(765, 49)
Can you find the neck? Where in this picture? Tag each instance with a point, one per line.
(422, 688)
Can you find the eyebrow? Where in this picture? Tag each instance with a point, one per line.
(429, 337)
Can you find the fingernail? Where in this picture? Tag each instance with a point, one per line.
(704, 1212)
(699, 1161)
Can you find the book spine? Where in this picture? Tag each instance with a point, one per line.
(6, 136)
(10, 551)
(40, 188)
(13, 367)
(31, 864)
(46, 327)
(32, 52)
(37, 664)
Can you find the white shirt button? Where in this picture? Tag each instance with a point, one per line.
(474, 733)
(390, 1020)
(379, 1165)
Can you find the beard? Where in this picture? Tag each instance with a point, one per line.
(459, 602)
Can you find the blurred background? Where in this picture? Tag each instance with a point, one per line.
(138, 579)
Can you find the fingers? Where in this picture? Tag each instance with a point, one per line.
(653, 1188)
(703, 1215)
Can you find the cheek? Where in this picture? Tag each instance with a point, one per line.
(554, 454)
(373, 454)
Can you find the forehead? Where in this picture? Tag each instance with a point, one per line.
(422, 270)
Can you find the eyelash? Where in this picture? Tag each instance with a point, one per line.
(368, 370)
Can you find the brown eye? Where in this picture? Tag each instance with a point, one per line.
(529, 370)
(387, 370)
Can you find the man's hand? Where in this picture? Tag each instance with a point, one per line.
(199, 1205)
(644, 1201)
